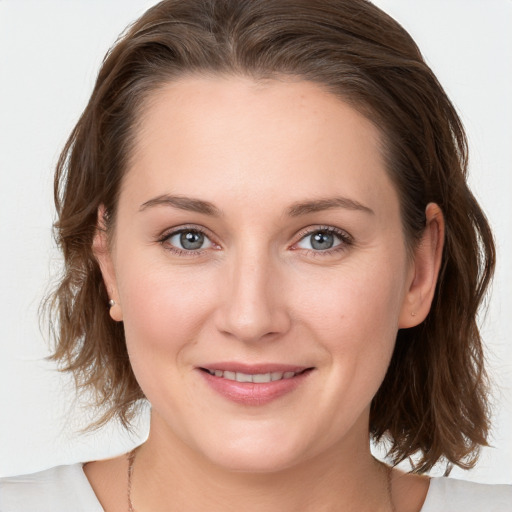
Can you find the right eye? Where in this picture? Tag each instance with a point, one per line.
(187, 240)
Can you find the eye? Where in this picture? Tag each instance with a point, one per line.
(323, 239)
(188, 240)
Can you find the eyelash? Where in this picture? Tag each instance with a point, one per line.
(345, 240)
(182, 252)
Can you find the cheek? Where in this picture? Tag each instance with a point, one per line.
(354, 317)
(350, 302)
(163, 310)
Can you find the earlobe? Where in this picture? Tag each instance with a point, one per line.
(115, 311)
(426, 264)
(102, 252)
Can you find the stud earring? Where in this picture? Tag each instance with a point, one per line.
(111, 303)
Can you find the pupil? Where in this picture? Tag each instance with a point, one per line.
(322, 241)
(191, 240)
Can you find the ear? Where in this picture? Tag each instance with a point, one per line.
(102, 252)
(425, 267)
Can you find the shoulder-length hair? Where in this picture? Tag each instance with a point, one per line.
(432, 402)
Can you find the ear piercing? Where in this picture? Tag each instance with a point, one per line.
(115, 312)
(413, 313)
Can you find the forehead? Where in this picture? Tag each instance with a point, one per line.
(230, 137)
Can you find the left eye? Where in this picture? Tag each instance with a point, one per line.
(321, 240)
(189, 240)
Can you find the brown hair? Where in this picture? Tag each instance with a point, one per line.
(433, 399)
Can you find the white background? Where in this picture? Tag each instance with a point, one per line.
(50, 52)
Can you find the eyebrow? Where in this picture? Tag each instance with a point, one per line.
(183, 203)
(303, 208)
(296, 210)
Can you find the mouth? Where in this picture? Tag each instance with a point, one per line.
(256, 378)
(254, 384)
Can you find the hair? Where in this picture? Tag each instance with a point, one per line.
(433, 401)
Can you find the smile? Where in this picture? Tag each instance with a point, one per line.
(254, 385)
(258, 378)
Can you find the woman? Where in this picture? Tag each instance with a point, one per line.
(268, 236)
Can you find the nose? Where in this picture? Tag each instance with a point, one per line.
(253, 305)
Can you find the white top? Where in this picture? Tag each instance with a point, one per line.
(66, 489)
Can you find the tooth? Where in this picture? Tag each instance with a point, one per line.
(262, 377)
(258, 377)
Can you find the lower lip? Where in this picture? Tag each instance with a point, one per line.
(251, 393)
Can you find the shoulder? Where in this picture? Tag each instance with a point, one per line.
(59, 489)
(449, 494)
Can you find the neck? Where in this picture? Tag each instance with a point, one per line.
(169, 475)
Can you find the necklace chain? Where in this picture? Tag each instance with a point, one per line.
(133, 453)
(389, 471)
(131, 460)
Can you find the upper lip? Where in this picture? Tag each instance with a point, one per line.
(254, 369)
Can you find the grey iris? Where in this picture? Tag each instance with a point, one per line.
(322, 240)
(191, 240)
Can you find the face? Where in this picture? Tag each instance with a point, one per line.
(260, 269)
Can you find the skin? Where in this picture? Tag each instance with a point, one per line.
(258, 291)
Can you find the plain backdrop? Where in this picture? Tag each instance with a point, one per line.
(50, 52)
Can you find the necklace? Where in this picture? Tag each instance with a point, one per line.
(131, 460)
(133, 453)
(389, 470)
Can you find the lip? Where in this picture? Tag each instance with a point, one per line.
(252, 393)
